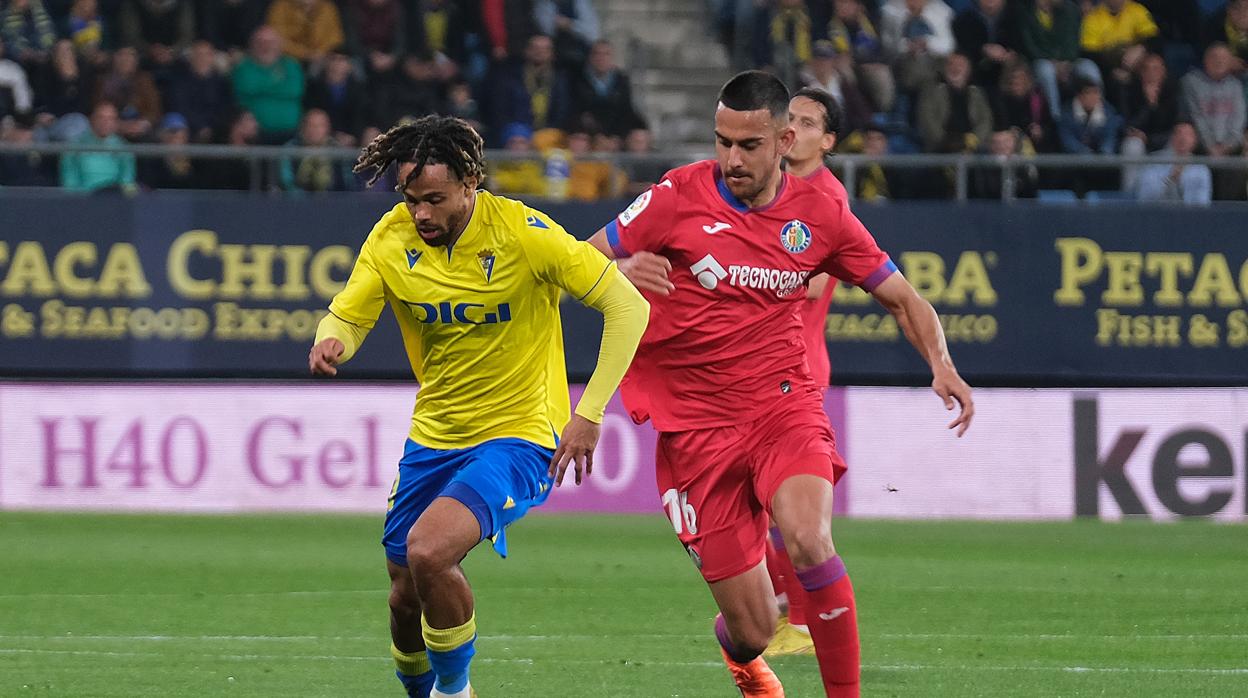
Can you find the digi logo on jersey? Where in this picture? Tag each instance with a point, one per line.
(449, 313)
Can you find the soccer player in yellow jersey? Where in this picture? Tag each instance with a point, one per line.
(474, 281)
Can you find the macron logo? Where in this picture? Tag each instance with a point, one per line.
(834, 613)
(708, 272)
(712, 229)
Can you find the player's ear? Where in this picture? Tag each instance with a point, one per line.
(785, 139)
(472, 183)
(828, 142)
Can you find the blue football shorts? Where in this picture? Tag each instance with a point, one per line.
(499, 481)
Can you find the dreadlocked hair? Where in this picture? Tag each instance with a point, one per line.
(429, 140)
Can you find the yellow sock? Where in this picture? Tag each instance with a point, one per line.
(410, 663)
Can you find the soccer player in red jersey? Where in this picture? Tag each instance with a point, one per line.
(722, 372)
(816, 119)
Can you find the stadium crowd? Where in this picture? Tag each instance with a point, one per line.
(530, 75)
(537, 78)
(1018, 76)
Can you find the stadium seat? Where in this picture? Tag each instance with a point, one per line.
(1056, 196)
(1208, 7)
(1107, 196)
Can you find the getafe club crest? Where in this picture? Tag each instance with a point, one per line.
(795, 236)
(486, 257)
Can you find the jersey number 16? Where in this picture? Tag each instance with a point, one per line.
(684, 518)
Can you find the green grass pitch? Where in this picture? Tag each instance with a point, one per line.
(611, 606)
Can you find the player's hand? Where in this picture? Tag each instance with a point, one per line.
(952, 389)
(324, 357)
(576, 448)
(648, 272)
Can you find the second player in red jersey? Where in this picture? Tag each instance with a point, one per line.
(723, 374)
(816, 118)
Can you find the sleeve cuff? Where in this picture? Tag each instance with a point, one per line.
(613, 239)
(878, 276)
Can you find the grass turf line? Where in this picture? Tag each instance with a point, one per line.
(107, 605)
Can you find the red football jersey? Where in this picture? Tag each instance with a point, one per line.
(728, 341)
(815, 312)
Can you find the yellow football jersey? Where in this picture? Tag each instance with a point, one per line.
(480, 320)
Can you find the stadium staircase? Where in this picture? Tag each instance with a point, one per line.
(675, 61)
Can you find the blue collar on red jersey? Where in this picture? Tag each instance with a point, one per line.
(729, 198)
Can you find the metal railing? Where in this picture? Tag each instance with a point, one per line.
(263, 160)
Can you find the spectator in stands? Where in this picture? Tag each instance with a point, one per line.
(310, 29)
(461, 104)
(412, 93)
(508, 26)
(872, 183)
(1214, 100)
(16, 97)
(99, 171)
(131, 89)
(176, 170)
(521, 174)
(987, 36)
(270, 86)
(1151, 108)
(376, 34)
(439, 28)
(341, 96)
(852, 32)
(1050, 39)
(1117, 34)
(1089, 124)
(590, 179)
(954, 116)
(833, 72)
(784, 39)
(21, 169)
(67, 87)
(603, 92)
(987, 182)
(534, 93)
(1020, 105)
(1178, 30)
(314, 173)
(200, 92)
(917, 34)
(28, 32)
(1229, 25)
(642, 170)
(572, 24)
(161, 30)
(242, 130)
(230, 24)
(86, 28)
(1179, 181)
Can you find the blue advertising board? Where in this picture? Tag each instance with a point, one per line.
(233, 285)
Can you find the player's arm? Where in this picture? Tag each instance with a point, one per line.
(816, 285)
(858, 259)
(588, 276)
(624, 317)
(636, 236)
(921, 325)
(352, 313)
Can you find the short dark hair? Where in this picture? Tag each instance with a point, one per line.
(753, 90)
(429, 140)
(832, 112)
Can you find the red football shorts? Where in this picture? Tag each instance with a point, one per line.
(717, 484)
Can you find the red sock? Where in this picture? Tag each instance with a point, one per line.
(833, 623)
(789, 584)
